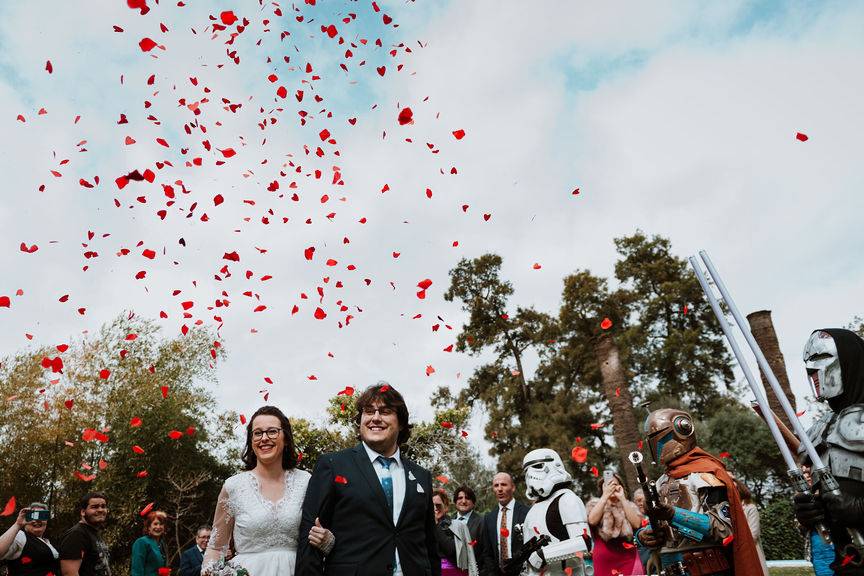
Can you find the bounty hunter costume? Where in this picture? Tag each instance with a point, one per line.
(834, 359)
(558, 513)
(698, 498)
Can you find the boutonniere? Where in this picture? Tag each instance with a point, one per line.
(411, 476)
(340, 480)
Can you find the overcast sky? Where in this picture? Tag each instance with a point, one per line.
(679, 118)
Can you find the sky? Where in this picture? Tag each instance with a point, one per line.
(677, 118)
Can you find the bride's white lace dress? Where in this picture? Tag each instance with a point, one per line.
(265, 532)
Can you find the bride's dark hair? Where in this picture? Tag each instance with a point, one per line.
(289, 455)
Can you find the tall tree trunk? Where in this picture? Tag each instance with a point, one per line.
(763, 331)
(620, 401)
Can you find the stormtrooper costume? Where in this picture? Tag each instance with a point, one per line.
(698, 499)
(834, 359)
(558, 513)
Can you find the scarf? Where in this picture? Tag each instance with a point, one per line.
(614, 523)
(745, 559)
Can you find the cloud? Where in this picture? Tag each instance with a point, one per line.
(677, 119)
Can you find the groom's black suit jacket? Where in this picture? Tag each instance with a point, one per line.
(346, 495)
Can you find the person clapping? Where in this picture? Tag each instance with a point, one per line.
(24, 546)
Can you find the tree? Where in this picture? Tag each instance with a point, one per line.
(122, 412)
(675, 343)
(592, 349)
(550, 408)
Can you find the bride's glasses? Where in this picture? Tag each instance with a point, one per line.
(271, 433)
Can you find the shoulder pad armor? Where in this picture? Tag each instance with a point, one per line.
(817, 434)
(848, 430)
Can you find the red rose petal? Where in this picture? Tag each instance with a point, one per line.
(146, 44)
(227, 17)
(459, 134)
(146, 510)
(406, 116)
(606, 324)
(9, 508)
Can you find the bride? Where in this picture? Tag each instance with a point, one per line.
(261, 507)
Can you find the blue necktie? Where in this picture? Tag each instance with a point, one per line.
(387, 479)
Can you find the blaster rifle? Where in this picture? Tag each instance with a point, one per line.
(513, 566)
(652, 498)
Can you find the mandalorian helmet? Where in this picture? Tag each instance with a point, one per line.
(670, 434)
(823, 365)
(544, 471)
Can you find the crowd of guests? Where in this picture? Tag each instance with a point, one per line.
(274, 515)
(469, 543)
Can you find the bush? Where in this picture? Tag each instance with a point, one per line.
(781, 539)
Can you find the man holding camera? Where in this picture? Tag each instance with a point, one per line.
(24, 547)
(82, 550)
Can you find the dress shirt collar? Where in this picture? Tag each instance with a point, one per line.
(373, 455)
(509, 505)
(465, 517)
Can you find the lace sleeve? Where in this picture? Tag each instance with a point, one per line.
(220, 538)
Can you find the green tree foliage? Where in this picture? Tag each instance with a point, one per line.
(66, 433)
(551, 408)
(675, 343)
(663, 332)
(781, 537)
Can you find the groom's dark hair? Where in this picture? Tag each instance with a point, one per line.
(389, 397)
(289, 455)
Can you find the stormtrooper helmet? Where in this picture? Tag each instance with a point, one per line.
(823, 365)
(670, 434)
(544, 470)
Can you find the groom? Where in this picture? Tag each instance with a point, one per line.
(377, 503)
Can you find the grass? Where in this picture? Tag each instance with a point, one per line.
(790, 571)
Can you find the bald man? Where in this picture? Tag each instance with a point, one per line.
(499, 543)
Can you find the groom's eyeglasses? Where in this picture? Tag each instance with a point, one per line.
(271, 433)
(382, 410)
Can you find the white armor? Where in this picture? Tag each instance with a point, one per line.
(558, 513)
(839, 440)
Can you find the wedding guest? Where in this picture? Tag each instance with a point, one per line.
(82, 550)
(192, 557)
(148, 551)
(613, 520)
(446, 541)
(24, 547)
(752, 513)
(465, 500)
(500, 544)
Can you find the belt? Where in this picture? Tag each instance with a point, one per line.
(706, 561)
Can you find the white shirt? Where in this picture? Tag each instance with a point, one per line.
(464, 517)
(510, 508)
(397, 474)
(17, 547)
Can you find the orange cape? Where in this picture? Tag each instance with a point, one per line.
(744, 556)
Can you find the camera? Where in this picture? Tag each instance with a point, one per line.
(41, 515)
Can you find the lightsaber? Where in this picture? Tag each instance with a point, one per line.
(795, 473)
